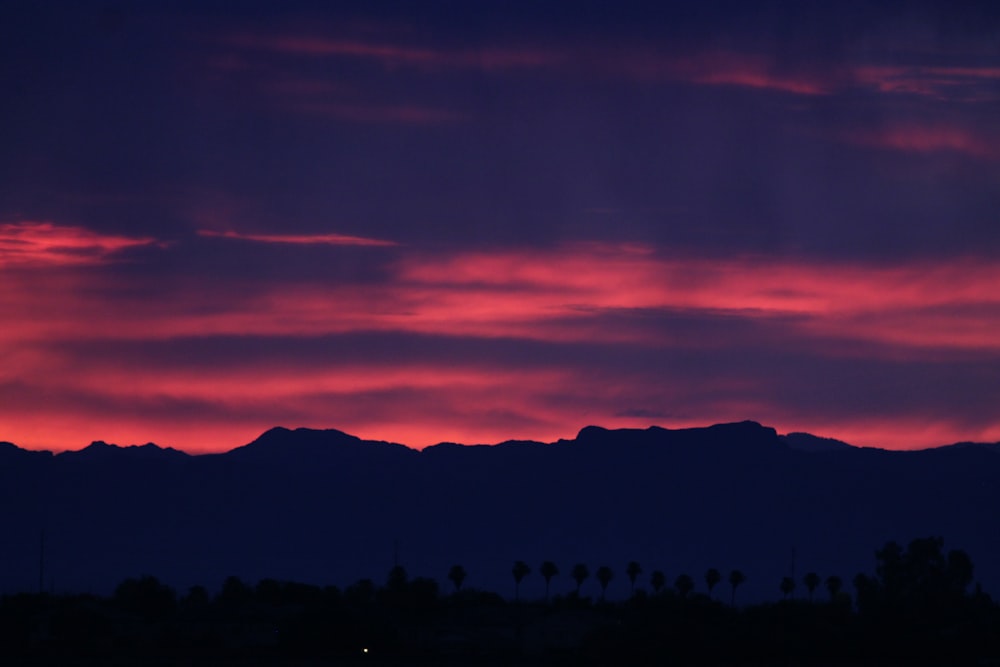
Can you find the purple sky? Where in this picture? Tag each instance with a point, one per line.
(476, 221)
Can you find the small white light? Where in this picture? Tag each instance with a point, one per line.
(364, 650)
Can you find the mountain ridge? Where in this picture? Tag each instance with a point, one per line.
(324, 506)
(796, 440)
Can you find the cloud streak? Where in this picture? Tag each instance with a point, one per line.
(479, 346)
(565, 294)
(928, 139)
(298, 239)
(47, 244)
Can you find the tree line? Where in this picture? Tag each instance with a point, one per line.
(919, 606)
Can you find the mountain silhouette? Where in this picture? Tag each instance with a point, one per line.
(324, 506)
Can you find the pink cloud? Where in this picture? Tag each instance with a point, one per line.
(579, 293)
(559, 295)
(298, 239)
(45, 243)
(718, 68)
(939, 82)
(915, 138)
(746, 71)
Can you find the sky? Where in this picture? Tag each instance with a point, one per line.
(473, 222)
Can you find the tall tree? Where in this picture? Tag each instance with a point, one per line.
(520, 571)
(579, 574)
(684, 585)
(548, 570)
(633, 570)
(712, 578)
(604, 576)
(812, 581)
(736, 578)
(787, 586)
(457, 575)
(833, 585)
(658, 581)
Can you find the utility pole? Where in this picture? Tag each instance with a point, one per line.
(41, 562)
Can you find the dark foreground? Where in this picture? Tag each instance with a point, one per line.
(916, 609)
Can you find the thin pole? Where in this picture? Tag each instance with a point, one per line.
(41, 562)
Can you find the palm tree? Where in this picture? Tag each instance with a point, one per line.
(520, 571)
(579, 574)
(712, 577)
(684, 585)
(633, 570)
(457, 575)
(604, 576)
(834, 584)
(548, 570)
(811, 580)
(735, 579)
(787, 586)
(657, 580)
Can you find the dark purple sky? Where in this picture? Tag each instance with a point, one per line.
(475, 221)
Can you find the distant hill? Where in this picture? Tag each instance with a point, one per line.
(327, 507)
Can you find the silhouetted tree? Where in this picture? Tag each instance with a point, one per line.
(548, 570)
(833, 585)
(397, 579)
(579, 574)
(235, 592)
(712, 578)
(812, 581)
(657, 580)
(920, 578)
(146, 597)
(457, 575)
(736, 578)
(520, 571)
(422, 592)
(360, 594)
(684, 585)
(268, 591)
(787, 586)
(633, 570)
(197, 598)
(604, 576)
(865, 589)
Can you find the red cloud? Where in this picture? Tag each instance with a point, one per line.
(588, 294)
(723, 68)
(565, 295)
(45, 243)
(298, 239)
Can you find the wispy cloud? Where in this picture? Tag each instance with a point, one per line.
(479, 346)
(398, 55)
(946, 83)
(926, 138)
(746, 69)
(298, 239)
(719, 68)
(576, 293)
(46, 243)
